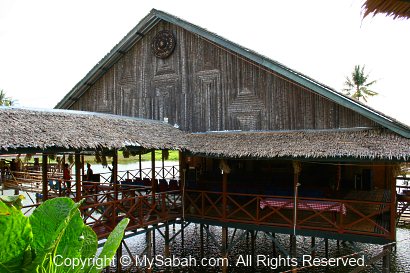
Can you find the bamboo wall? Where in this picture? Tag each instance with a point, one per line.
(203, 87)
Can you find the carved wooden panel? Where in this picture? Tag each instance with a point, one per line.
(247, 108)
(207, 101)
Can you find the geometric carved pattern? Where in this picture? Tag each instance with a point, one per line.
(164, 98)
(208, 104)
(248, 109)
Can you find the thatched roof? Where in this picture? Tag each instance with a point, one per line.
(362, 143)
(395, 8)
(23, 129)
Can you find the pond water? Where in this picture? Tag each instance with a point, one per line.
(400, 258)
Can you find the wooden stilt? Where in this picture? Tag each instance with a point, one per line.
(148, 240)
(167, 249)
(183, 238)
(118, 268)
(386, 259)
(201, 234)
(44, 170)
(224, 248)
(274, 244)
(313, 244)
(154, 240)
(327, 248)
(293, 245)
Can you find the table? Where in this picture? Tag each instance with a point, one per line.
(312, 205)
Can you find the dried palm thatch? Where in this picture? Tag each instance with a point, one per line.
(313, 144)
(76, 130)
(395, 8)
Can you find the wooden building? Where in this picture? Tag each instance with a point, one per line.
(284, 138)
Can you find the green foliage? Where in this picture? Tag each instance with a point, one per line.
(358, 86)
(4, 100)
(54, 233)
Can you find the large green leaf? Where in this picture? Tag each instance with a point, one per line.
(71, 241)
(111, 246)
(89, 247)
(15, 238)
(52, 222)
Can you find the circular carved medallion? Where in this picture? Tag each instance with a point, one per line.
(163, 44)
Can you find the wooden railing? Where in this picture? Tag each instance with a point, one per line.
(160, 173)
(105, 205)
(357, 217)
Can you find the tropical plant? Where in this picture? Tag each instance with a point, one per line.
(54, 239)
(358, 86)
(4, 100)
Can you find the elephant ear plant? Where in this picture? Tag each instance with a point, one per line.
(53, 239)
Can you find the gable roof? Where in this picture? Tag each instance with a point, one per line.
(156, 16)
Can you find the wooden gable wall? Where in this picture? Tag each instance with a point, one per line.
(203, 87)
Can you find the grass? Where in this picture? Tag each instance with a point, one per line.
(172, 156)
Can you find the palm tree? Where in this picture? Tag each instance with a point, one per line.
(357, 86)
(5, 101)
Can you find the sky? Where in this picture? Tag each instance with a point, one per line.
(47, 46)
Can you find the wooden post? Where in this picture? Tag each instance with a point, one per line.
(118, 268)
(201, 234)
(274, 244)
(115, 173)
(77, 176)
(166, 248)
(313, 244)
(293, 245)
(327, 248)
(386, 259)
(82, 166)
(44, 169)
(140, 164)
(224, 194)
(224, 248)
(153, 182)
(183, 238)
(154, 241)
(163, 164)
(149, 246)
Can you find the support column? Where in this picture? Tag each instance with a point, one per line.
(201, 234)
(82, 166)
(224, 194)
(77, 161)
(274, 244)
(386, 259)
(183, 238)
(140, 164)
(327, 248)
(163, 164)
(153, 182)
(313, 244)
(44, 169)
(154, 240)
(224, 248)
(118, 258)
(115, 173)
(166, 248)
(148, 240)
